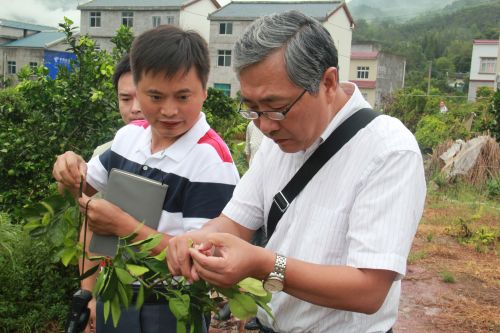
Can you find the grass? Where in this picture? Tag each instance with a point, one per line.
(447, 277)
(416, 256)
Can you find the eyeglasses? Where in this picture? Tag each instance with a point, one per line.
(248, 113)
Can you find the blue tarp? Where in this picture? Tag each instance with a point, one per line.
(54, 59)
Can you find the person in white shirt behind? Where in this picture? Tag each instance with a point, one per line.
(339, 252)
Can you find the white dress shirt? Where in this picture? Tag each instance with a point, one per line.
(361, 210)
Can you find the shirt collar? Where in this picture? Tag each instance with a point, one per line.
(356, 102)
(181, 147)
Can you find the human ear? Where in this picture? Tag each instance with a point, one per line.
(330, 81)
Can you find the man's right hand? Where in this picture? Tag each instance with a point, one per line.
(91, 324)
(178, 256)
(68, 171)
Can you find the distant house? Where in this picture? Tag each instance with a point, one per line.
(25, 44)
(484, 69)
(229, 22)
(376, 73)
(100, 19)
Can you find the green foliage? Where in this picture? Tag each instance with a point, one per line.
(41, 118)
(187, 301)
(430, 131)
(413, 257)
(35, 291)
(448, 277)
(56, 220)
(222, 116)
(123, 42)
(493, 187)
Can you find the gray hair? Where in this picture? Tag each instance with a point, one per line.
(308, 47)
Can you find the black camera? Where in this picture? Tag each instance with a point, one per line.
(79, 313)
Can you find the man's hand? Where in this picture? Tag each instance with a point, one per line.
(68, 171)
(234, 260)
(91, 324)
(178, 257)
(105, 218)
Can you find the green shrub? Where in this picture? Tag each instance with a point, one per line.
(35, 292)
(431, 130)
(493, 187)
(448, 277)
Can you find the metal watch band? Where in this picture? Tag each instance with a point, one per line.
(280, 265)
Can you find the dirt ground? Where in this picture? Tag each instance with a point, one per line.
(470, 299)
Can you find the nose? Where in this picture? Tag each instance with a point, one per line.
(266, 125)
(136, 108)
(169, 109)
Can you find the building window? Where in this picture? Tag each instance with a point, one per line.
(170, 19)
(225, 87)
(224, 58)
(97, 46)
(11, 67)
(225, 29)
(362, 72)
(33, 64)
(156, 21)
(488, 65)
(128, 19)
(95, 19)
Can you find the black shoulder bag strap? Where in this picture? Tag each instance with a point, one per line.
(337, 139)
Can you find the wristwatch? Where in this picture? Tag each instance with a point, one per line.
(276, 279)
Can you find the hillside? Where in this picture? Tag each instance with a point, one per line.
(398, 10)
(446, 34)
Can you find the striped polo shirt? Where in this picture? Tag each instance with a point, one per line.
(198, 169)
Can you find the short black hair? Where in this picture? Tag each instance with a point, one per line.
(169, 49)
(123, 67)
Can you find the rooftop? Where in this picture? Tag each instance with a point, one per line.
(250, 10)
(27, 26)
(39, 40)
(485, 41)
(137, 5)
(364, 55)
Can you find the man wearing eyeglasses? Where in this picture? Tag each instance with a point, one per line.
(337, 256)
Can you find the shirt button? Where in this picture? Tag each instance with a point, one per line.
(145, 167)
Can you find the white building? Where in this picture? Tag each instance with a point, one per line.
(228, 23)
(376, 73)
(484, 69)
(25, 44)
(100, 19)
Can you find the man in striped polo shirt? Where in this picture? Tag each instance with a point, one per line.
(170, 68)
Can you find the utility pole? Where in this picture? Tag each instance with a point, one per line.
(429, 79)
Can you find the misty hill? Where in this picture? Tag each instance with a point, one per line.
(403, 10)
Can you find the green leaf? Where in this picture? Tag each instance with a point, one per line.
(106, 308)
(137, 270)
(158, 266)
(243, 306)
(155, 241)
(32, 225)
(109, 289)
(68, 255)
(123, 294)
(265, 307)
(179, 307)
(89, 272)
(161, 256)
(116, 310)
(140, 297)
(181, 327)
(124, 276)
(48, 207)
(253, 286)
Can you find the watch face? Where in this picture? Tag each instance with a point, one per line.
(273, 285)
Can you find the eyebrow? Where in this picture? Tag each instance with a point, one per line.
(267, 99)
(158, 92)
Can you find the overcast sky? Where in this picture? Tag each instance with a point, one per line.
(45, 12)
